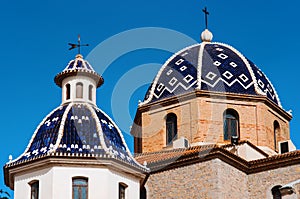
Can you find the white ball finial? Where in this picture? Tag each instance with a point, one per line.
(206, 36)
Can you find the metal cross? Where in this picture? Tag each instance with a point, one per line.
(78, 45)
(206, 13)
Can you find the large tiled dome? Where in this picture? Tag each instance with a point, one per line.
(209, 66)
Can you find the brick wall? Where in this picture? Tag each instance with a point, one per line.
(260, 184)
(215, 179)
(210, 180)
(201, 120)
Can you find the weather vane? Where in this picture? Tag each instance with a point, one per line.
(206, 13)
(78, 45)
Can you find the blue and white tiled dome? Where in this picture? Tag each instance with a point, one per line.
(78, 128)
(209, 66)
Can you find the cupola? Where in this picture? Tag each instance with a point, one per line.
(78, 81)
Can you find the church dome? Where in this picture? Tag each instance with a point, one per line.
(78, 128)
(213, 67)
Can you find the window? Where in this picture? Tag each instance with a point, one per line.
(122, 190)
(68, 91)
(284, 147)
(143, 193)
(171, 127)
(90, 92)
(276, 192)
(276, 133)
(79, 188)
(34, 193)
(231, 124)
(79, 90)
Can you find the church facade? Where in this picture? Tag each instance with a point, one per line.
(211, 126)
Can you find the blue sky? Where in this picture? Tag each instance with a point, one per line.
(34, 37)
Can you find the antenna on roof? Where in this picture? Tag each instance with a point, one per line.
(78, 45)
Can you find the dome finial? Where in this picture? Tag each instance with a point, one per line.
(206, 35)
(78, 45)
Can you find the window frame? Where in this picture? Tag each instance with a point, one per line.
(276, 129)
(91, 87)
(230, 116)
(122, 187)
(68, 91)
(79, 90)
(34, 189)
(86, 187)
(171, 122)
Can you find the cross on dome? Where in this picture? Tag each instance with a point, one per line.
(206, 35)
(206, 13)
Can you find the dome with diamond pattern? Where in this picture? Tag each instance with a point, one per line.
(209, 66)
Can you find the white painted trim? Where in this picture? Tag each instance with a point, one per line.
(34, 134)
(122, 138)
(199, 67)
(256, 87)
(84, 66)
(160, 72)
(275, 92)
(99, 128)
(199, 72)
(61, 127)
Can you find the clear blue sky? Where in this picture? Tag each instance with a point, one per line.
(34, 37)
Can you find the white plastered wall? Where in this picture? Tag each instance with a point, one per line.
(73, 80)
(56, 183)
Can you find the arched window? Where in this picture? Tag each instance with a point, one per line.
(68, 91)
(34, 186)
(231, 124)
(79, 90)
(79, 188)
(122, 190)
(90, 92)
(171, 127)
(276, 192)
(276, 133)
(143, 193)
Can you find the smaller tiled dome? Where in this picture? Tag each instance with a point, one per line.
(78, 66)
(78, 129)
